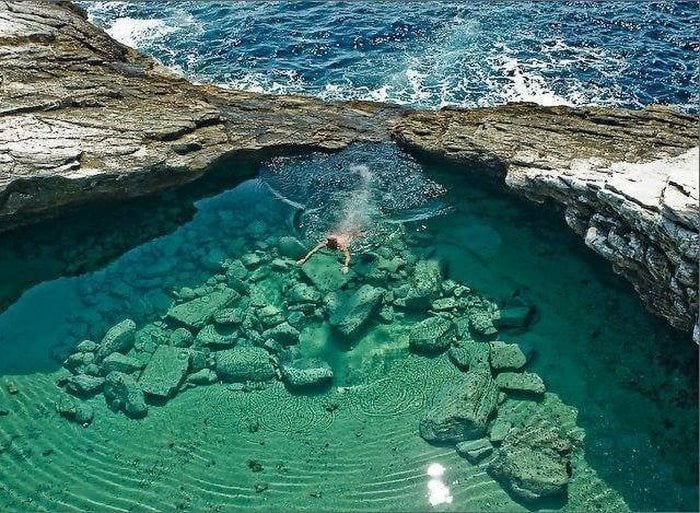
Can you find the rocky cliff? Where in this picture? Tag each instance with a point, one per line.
(83, 117)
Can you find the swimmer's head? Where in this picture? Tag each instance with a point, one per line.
(332, 242)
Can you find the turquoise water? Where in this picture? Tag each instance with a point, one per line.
(354, 443)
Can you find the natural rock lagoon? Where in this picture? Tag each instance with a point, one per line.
(352, 256)
(469, 359)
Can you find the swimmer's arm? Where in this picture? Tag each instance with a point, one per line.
(346, 267)
(320, 245)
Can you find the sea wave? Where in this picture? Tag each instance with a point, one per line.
(429, 55)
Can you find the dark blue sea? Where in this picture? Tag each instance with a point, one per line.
(428, 54)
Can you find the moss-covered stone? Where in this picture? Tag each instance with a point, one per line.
(198, 312)
(84, 384)
(121, 363)
(77, 411)
(119, 338)
(521, 382)
(534, 461)
(323, 272)
(284, 333)
(181, 337)
(215, 337)
(244, 364)
(506, 356)
(475, 451)
(462, 410)
(202, 377)
(123, 393)
(354, 311)
(304, 374)
(302, 293)
(290, 247)
(165, 372)
(432, 335)
(514, 317)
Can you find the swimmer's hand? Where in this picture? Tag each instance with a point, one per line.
(344, 269)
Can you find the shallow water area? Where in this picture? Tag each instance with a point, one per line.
(352, 444)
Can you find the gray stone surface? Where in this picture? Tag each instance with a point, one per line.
(165, 371)
(462, 410)
(520, 382)
(352, 313)
(123, 393)
(244, 364)
(534, 461)
(506, 356)
(121, 363)
(475, 451)
(432, 335)
(84, 384)
(304, 374)
(197, 312)
(119, 338)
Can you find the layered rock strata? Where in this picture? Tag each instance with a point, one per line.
(84, 118)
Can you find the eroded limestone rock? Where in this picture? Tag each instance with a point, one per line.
(165, 372)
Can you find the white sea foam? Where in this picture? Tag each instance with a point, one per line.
(135, 32)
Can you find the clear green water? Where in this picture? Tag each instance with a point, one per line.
(354, 446)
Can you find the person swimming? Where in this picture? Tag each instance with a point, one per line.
(336, 241)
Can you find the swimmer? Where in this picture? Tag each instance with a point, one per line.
(335, 241)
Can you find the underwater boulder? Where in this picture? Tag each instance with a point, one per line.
(290, 247)
(306, 373)
(123, 393)
(514, 317)
(202, 377)
(481, 323)
(119, 338)
(534, 461)
(244, 364)
(432, 335)
(198, 312)
(462, 410)
(323, 272)
(475, 451)
(425, 286)
(302, 293)
(284, 333)
(77, 411)
(521, 382)
(212, 336)
(506, 356)
(352, 313)
(468, 354)
(121, 363)
(165, 372)
(84, 384)
(180, 337)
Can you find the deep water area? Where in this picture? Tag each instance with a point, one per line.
(170, 353)
(425, 54)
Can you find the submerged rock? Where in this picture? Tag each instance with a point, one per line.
(79, 412)
(165, 372)
(462, 410)
(180, 337)
(475, 451)
(121, 363)
(352, 313)
(290, 247)
(506, 356)
(123, 393)
(323, 272)
(534, 461)
(468, 354)
(244, 364)
(198, 312)
(432, 335)
(212, 336)
(119, 338)
(283, 333)
(522, 382)
(303, 293)
(202, 377)
(514, 317)
(305, 373)
(84, 384)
